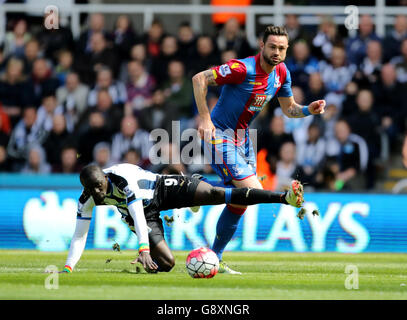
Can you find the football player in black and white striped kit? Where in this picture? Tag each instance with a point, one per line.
(140, 195)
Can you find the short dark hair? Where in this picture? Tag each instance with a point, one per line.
(91, 172)
(274, 31)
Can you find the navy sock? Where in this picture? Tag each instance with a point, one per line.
(225, 229)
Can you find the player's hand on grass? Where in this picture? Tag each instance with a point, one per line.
(145, 259)
(207, 130)
(317, 107)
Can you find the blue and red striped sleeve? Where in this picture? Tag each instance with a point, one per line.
(232, 72)
(285, 90)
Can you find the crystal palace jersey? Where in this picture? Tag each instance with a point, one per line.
(127, 183)
(247, 89)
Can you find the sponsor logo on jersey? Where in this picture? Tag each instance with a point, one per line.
(255, 83)
(235, 65)
(224, 70)
(225, 171)
(259, 101)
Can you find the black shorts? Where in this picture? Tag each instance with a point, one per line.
(171, 191)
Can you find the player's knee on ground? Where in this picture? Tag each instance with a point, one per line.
(167, 264)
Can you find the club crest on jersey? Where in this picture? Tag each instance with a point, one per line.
(224, 70)
(277, 83)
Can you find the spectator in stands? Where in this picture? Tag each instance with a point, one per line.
(157, 115)
(337, 73)
(315, 88)
(392, 43)
(227, 55)
(2, 58)
(231, 37)
(273, 138)
(96, 25)
(56, 139)
(369, 70)
(326, 38)
(96, 58)
(5, 127)
(4, 138)
(356, 46)
(105, 81)
(178, 91)
(132, 156)
(123, 37)
(64, 65)
(24, 134)
(391, 102)
(130, 136)
(4, 161)
(94, 130)
(138, 53)
(112, 113)
(286, 167)
(351, 160)
(69, 161)
(328, 122)
(46, 112)
(36, 162)
(54, 40)
(165, 161)
(43, 81)
(204, 56)
(295, 31)
(15, 91)
(32, 52)
(15, 40)
(139, 88)
(152, 39)
(301, 64)
(73, 96)
(101, 155)
(365, 122)
(400, 63)
(311, 154)
(404, 151)
(186, 41)
(168, 52)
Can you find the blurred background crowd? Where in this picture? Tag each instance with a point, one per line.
(66, 102)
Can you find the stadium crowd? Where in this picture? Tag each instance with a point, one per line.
(66, 102)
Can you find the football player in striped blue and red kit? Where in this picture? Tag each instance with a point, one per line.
(248, 85)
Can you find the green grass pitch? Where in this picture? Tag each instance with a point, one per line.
(272, 275)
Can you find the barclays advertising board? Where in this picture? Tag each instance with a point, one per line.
(45, 220)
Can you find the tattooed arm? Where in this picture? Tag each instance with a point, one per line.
(200, 83)
(294, 110)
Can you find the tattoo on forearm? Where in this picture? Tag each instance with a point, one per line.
(295, 111)
(210, 78)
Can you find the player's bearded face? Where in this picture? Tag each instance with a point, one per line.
(274, 50)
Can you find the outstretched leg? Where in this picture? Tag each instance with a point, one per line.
(206, 194)
(229, 219)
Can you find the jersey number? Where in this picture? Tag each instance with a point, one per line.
(170, 182)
